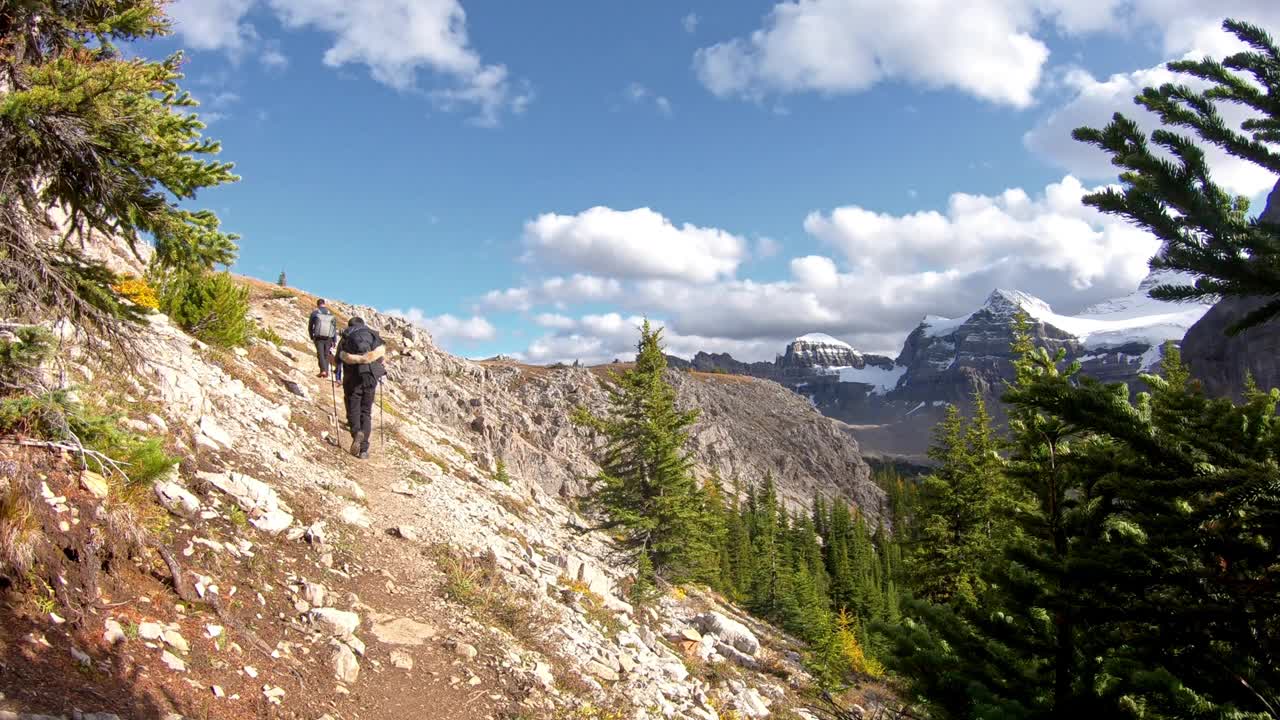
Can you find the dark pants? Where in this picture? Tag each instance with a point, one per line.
(359, 392)
(322, 352)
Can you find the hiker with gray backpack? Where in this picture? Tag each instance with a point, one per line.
(323, 328)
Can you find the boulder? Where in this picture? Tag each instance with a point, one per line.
(176, 499)
(346, 668)
(338, 623)
(353, 515)
(265, 509)
(729, 630)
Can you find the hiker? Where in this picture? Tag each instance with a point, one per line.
(360, 350)
(322, 327)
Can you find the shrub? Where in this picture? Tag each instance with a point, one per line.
(270, 335)
(22, 355)
(501, 474)
(56, 417)
(139, 292)
(210, 305)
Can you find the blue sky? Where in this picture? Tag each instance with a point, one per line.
(843, 166)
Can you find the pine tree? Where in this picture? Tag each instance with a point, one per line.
(105, 139)
(963, 509)
(646, 488)
(1204, 229)
(711, 562)
(1144, 580)
(738, 542)
(768, 581)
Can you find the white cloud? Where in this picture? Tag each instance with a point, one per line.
(767, 247)
(637, 93)
(690, 22)
(555, 321)
(1094, 101)
(885, 273)
(213, 24)
(841, 46)
(992, 49)
(448, 328)
(395, 39)
(597, 339)
(636, 243)
(558, 290)
(273, 59)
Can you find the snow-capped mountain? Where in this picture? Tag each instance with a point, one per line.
(893, 403)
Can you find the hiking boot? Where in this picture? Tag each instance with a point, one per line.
(323, 374)
(364, 454)
(356, 441)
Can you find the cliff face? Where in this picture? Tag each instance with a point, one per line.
(1222, 362)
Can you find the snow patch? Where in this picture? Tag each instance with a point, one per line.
(880, 379)
(822, 339)
(1134, 318)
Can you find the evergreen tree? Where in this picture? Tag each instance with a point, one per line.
(1204, 229)
(711, 560)
(963, 509)
(104, 139)
(1144, 580)
(738, 541)
(646, 488)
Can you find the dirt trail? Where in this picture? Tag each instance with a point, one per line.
(405, 583)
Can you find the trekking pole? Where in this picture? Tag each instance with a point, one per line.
(333, 393)
(382, 416)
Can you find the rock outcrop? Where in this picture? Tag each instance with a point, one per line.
(1222, 362)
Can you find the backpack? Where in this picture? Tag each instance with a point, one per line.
(325, 324)
(361, 340)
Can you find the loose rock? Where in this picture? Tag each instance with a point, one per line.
(403, 631)
(345, 665)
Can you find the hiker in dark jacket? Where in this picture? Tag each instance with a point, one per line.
(360, 350)
(322, 327)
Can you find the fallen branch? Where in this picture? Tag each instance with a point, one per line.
(77, 448)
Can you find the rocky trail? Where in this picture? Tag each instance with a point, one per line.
(429, 580)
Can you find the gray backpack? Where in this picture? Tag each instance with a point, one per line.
(326, 325)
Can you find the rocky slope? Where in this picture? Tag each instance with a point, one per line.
(420, 583)
(1221, 362)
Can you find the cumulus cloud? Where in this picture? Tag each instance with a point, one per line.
(884, 272)
(636, 243)
(767, 247)
(555, 321)
(394, 39)
(1094, 101)
(448, 328)
(841, 46)
(601, 338)
(991, 49)
(213, 24)
(690, 22)
(558, 291)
